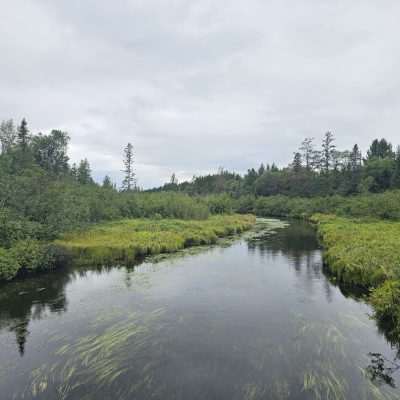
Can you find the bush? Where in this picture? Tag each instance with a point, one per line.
(8, 265)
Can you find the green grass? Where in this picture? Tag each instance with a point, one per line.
(127, 240)
(366, 253)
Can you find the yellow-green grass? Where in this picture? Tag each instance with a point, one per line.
(366, 253)
(126, 240)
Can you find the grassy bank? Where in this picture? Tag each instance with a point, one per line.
(126, 240)
(366, 253)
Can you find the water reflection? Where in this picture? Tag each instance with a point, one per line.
(256, 320)
(31, 299)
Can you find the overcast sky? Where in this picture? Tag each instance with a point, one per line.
(195, 85)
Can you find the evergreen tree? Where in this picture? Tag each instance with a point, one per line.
(297, 163)
(174, 179)
(107, 184)
(380, 149)
(261, 169)
(328, 152)
(84, 173)
(355, 158)
(74, 171)
(129, 182)
(23, 135)
(307, 152)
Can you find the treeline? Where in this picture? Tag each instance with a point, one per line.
(323, 171)
(43, 196)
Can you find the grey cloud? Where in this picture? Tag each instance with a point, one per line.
(200, 84)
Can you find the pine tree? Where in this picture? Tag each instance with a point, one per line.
(129, 182)
(261, 169)
(23, 135)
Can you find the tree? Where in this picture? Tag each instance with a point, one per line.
(107, 183)
(261, 169)
(23, 135)
(380, 149)
(307, 152)
(297, 163)
(174, 179)
(129, 182)
(74, 171)
(50, 151)
(396, 174)
(8, 135)
(84, 173)
(355, 158)
(328, 152)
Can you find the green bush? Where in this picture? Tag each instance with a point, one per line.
(9, 265)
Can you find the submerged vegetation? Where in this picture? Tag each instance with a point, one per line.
(126, 240)
(366, 253)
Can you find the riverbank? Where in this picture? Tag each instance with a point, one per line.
(127, 240)
(366, 253)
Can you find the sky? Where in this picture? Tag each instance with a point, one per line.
(198, 85)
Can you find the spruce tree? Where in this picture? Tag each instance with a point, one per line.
(23, 135)
(129, 182)
(328, 152)
(297, 162)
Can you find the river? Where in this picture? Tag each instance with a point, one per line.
(254, 317)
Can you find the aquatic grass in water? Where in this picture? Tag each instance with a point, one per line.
(100, 361)
(127, 240)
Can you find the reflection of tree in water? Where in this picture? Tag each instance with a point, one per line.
(30, 299)
(298, 242)
(381, 370)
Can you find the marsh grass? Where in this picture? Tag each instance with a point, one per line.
(126, 241)
(366, 253)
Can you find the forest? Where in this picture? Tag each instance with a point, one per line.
(43, 195)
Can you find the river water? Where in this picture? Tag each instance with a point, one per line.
(251, 318)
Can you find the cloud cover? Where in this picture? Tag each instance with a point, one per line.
(195, 85)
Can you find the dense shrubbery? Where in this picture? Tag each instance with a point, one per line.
(383, 205)
(366, 253)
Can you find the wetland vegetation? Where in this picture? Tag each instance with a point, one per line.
(259, 310)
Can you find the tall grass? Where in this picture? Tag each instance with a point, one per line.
(127, 240)
(366, 253)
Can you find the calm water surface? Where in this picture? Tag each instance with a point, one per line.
(252, 319)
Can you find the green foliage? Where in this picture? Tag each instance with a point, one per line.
(31, 255)
(126, 240)
(383, 205)
(366, 253)
(8, 265)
